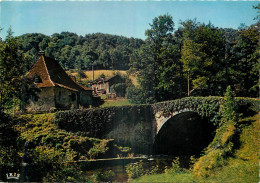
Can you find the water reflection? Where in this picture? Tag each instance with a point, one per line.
(118, 166)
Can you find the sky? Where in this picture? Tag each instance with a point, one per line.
(126, 18)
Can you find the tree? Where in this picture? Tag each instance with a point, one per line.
(246, 54)
(14, 86)
(203, 56)
(158, 35)
(191, 58)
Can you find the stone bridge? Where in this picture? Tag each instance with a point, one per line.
(171, 127)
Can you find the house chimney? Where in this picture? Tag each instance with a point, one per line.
(41, 53)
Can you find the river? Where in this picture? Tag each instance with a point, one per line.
(118, 165)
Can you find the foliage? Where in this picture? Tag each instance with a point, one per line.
(51, 153)
(116, 102)
(138, 169)
(10, 146)
(95, 122)
(135, 170)
(171, 174)
(223, 143)
(15, 88)
(175, 168)
(106, 176)
(97, 149)
(119, 89)
(197, 57)
(156, 64)
(71, 50)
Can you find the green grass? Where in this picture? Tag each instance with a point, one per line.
(117, 102)
(107, 73)
(177, 177)
(237, 171)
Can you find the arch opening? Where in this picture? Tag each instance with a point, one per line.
(185, 134)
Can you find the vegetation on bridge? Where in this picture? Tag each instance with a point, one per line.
(204, 106)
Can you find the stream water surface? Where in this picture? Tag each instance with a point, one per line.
(118, 166)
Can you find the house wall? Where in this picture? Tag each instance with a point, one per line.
(107, 87)
(85, 98)
(44, 102)
(66, 99)
(101, 86)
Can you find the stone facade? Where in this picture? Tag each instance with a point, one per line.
(44, 102)
(66, 99)
(57, 89)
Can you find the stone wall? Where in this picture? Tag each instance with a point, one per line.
(130, 126)
(137, 126)
(66, 99)
(44, 102)
(85, 98)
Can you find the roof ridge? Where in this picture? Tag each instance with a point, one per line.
(47, 70)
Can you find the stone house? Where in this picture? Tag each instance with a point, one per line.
(103, 85)
(57, 89)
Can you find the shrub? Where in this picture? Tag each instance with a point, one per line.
(135, 170)
(223, 143)
(106, 176)
(175, 167)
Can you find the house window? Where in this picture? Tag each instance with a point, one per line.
(73, 97)
(59, 95)
(37, 79)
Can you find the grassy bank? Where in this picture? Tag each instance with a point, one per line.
(52, 153)
(116, 102)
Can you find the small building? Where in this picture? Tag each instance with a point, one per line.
(57, 89)
(104, 85)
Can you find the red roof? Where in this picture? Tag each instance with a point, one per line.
(52, 74)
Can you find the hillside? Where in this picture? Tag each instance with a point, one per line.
(71, 50)
(97, 73)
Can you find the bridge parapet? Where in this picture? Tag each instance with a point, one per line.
(204, 106)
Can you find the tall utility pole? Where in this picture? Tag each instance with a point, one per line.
(93, 71)
(188, 83)
(93, 57)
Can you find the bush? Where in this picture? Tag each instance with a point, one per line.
(175, 167)
(106, 176)
(135, 170)
(222, 145)
(119, 89)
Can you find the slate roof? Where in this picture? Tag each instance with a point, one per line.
(101, 80)
(52, 74)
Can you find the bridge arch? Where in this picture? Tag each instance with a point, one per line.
(182, 132)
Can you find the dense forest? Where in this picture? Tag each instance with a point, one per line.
(196, 59)
(72, 50)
